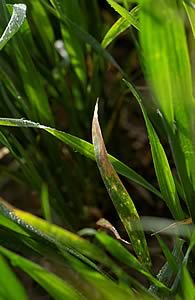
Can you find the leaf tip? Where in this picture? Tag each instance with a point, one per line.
(95, 115)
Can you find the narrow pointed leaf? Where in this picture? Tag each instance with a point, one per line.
(124, 13)
(166, 61)
(73, 45)
(87, 38)
(121, 199)
(161, 164)
(83, 148)
(63, 236)
(117, 28)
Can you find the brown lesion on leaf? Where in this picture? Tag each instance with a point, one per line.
(106, 225)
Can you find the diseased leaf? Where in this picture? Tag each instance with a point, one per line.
(121, 199)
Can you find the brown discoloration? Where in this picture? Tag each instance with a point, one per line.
(120, 197)
(105, 224)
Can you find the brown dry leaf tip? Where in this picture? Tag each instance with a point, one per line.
(98, 142)
(105, 224)
(95, 123)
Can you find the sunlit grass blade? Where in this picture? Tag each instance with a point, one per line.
(87, 38)
(28, 225)
(121, 199)
(32, 81)
(55, 286)
(161, 164)
(46, 244)
(7, 279)
(124, 13)
(74, 47)
(167, 68)
(44, 28)
(15, 22)
(83, 148)
(42, 237)
(187, 285)
(63, 236)
(117, 28)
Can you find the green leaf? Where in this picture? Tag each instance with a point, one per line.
(15, 22)
(11, 287)
(87, 38)
(191, 15)
(167, 68)
(161, 164)
(67, 9)
(32, 80)
(115, 248)
(166, 273)
(83, 148)
(169, 256)
(44, 27)
(121, 199)
(45, 202)
(118, 27)
(124, 13)
(187, 285)
(63, 236)
(54, 285)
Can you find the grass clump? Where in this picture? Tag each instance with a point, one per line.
(53, 65)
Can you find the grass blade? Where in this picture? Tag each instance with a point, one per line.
(83, 148)
(167, 67)
(121, 199)
(67, 9)
(17, 291)
(45, 202)
(62, 235)
(191, 16)
(117, 28)
(87, 38)
(161, 164)
(124, 13)
(32, 80)
(15, 22)
(55, 286)
(187, 285)
(121, 254)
